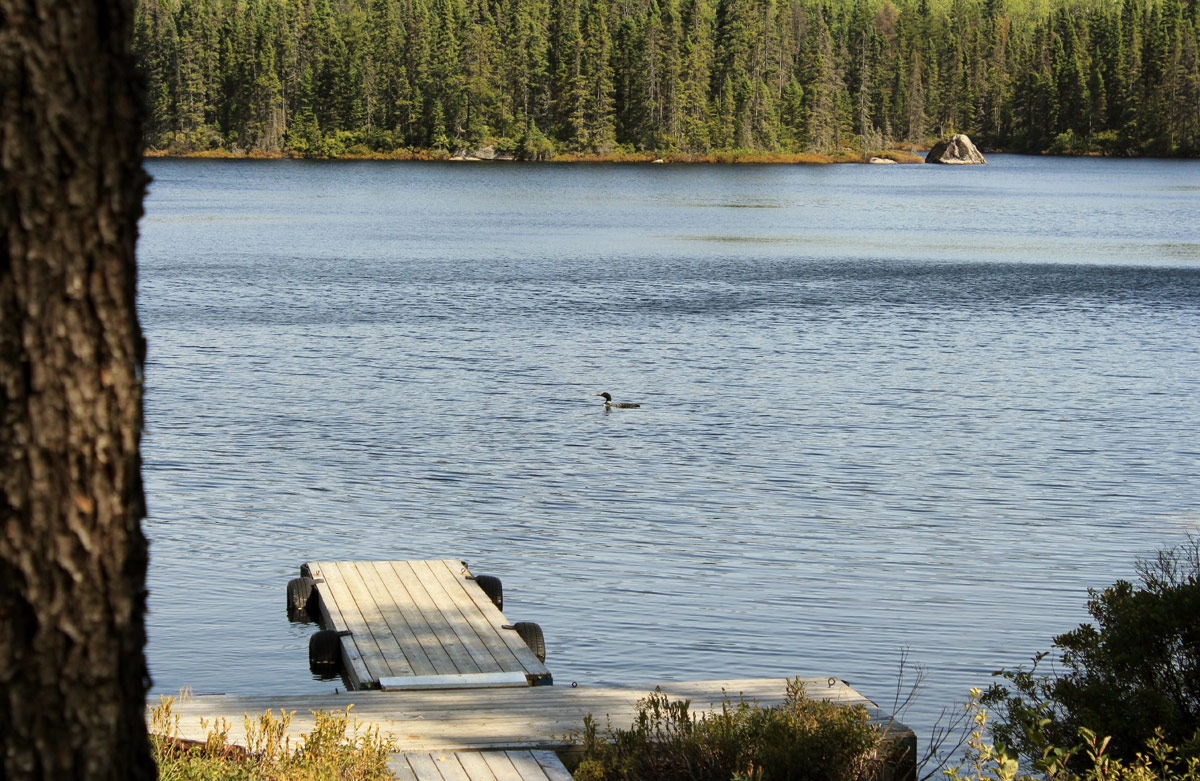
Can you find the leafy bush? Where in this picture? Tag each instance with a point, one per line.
(1067, 143)
(337, 748)
(337, 144)
(1133, 676)
(1087, 760)
(802, 738)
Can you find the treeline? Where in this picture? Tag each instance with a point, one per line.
(539, 77)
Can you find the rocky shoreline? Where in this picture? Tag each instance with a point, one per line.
(489, 155)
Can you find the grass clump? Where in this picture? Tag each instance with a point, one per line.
(338, 747)
(802, 738)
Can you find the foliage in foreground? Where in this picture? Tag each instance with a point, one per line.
(1133, 676)
(802, 738)
(338, 747)
(1088, 759)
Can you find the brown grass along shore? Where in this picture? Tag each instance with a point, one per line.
(440, 155)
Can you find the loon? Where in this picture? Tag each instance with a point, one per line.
(608, 403)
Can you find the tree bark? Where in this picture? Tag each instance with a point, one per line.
(73, 676)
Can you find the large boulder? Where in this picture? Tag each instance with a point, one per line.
(958, 150)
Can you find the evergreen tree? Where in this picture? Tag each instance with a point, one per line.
(822, 89)
(156, 47)
(596, 80)
(694, 78)
(566, 61)
(315, 77)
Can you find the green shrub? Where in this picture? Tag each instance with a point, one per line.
(1088, 759)
(1067, 144)
(800, 739)
(1133, 675)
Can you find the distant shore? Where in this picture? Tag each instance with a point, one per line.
(426, 155)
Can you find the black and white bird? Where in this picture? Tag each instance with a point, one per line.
(609, 404)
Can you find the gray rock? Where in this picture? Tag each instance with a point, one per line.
(957, 151)
(487, 152)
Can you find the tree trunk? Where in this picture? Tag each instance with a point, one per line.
(73, 677)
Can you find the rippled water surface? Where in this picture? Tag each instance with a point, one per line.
(882, 407)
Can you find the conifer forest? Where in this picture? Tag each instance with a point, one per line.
(537, 78)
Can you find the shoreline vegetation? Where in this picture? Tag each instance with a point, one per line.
(744, 157)
(678, 80)
(338, 747)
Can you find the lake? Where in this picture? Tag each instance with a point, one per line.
(883, 407)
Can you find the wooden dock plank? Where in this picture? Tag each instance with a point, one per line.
(537, 717)
(528, 766)
(476, 766)
(405, 658)
(423, 767)
(501, 766)
(401, 769)
(427, 657)
(449, 602)
(496, 620)
(332, 617)
(465, 681)
(551, 765)
(451, 767)
(479, 766)
(442, 634)
(489, 622)
(390, 658)
(344, 586)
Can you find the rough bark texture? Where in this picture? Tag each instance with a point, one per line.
(73, 675)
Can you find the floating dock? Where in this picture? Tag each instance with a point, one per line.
(396, 625)
(431, 660)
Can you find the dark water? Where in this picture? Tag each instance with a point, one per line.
(883, 407)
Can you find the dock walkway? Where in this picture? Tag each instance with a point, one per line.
(419, 625)
(432, 662)
(542, 718)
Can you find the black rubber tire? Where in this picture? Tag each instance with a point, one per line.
(325, 653)
(492, 587)
(531, 633)
(299, 596)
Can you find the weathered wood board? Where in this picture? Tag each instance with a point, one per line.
(542, 717)
(419, 624)
(479, 766)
